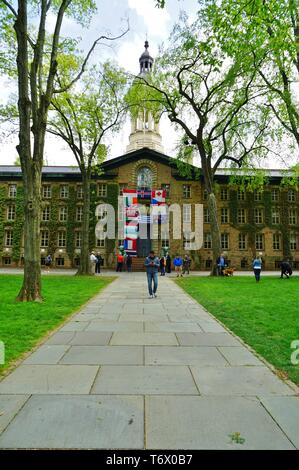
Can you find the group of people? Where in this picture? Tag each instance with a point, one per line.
(123, 261)
(153, 264)
(96, 262)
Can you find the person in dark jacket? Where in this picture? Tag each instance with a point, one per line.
(162, 265)
(168, 263)
(286, 269)
(152, 264)
(98, 263)
(129, 263)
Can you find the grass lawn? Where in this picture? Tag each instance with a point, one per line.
(264, 315)
(22, 325)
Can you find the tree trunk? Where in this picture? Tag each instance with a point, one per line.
(85, 266)
(31, 288)
(215, 231)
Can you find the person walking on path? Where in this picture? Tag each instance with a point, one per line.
(129, 263)
(48, 263)
(186, 264)
(168, 263)
(178, 262)
(257, 267)
(220, 264)
(98, 263)
(120, 263)
(162, 266)
(152, 264)
(93, 261)
(286, 269)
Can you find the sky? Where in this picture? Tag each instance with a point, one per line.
(145, 20)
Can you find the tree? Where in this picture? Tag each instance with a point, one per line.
(266, 33)
(38, 67)
(82, 118)
(212, 99)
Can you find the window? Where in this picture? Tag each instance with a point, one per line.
(275, 216)
(62, 214)
(43, 261)
(292, 216)
(207, 241)
(165, 242)
(206, 215)
(291, 195)
(275, 195)
(44, 238)
(241, 216)
(59, 261)
(47, 191)
(64, 191)
(46, 214)
(122, 186)
(186, 191)
(187, 242)
(293, 241)
(224, 215)
(258, 215)
(258, 196)
(79, 191)
(79, 213)
(11, 212)
(223, 194)
(101, 212)
(7, 260)
(8, 237)
(78, 239)
(186, 213)
(208, 263)
(241, 195)
(77, 262)
(166, 187)
(145, 178)
(102, 190)
(244, 263)
(205, 195)
(242, 241)
(12, 190)
(101, 240)
(61, 239)
(276, 241)
(224, 241)
(259, 241)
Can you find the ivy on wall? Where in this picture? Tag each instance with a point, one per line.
(18, 225)
(3, 191)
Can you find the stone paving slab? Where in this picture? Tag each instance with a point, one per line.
(143, 318)
(48, 379)
(60, 338)
(240, 356)
(9, 407)
(77, 422)
(184, 355)
(285, 411)
(97, 316)
(208, 422)
(75, 326)
(144, 380)
(207, 339)
(238, 380)
(134, 327)
(211, 326)
(104, 355)
(143, 339)
(47, 354)
(154, 327)
(91, 338)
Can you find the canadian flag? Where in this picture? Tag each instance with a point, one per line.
(158, 196)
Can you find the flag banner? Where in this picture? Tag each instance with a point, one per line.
(143, 194)
(131, 227)
(158, 197)
(145, 219)
(132, 213)
(130, 244)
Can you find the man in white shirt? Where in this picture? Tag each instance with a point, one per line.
(93, 260)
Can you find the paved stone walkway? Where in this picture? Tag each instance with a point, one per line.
(129, 372)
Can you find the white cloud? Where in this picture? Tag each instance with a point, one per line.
(155, 19)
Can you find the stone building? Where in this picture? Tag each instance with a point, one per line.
(263, 221)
